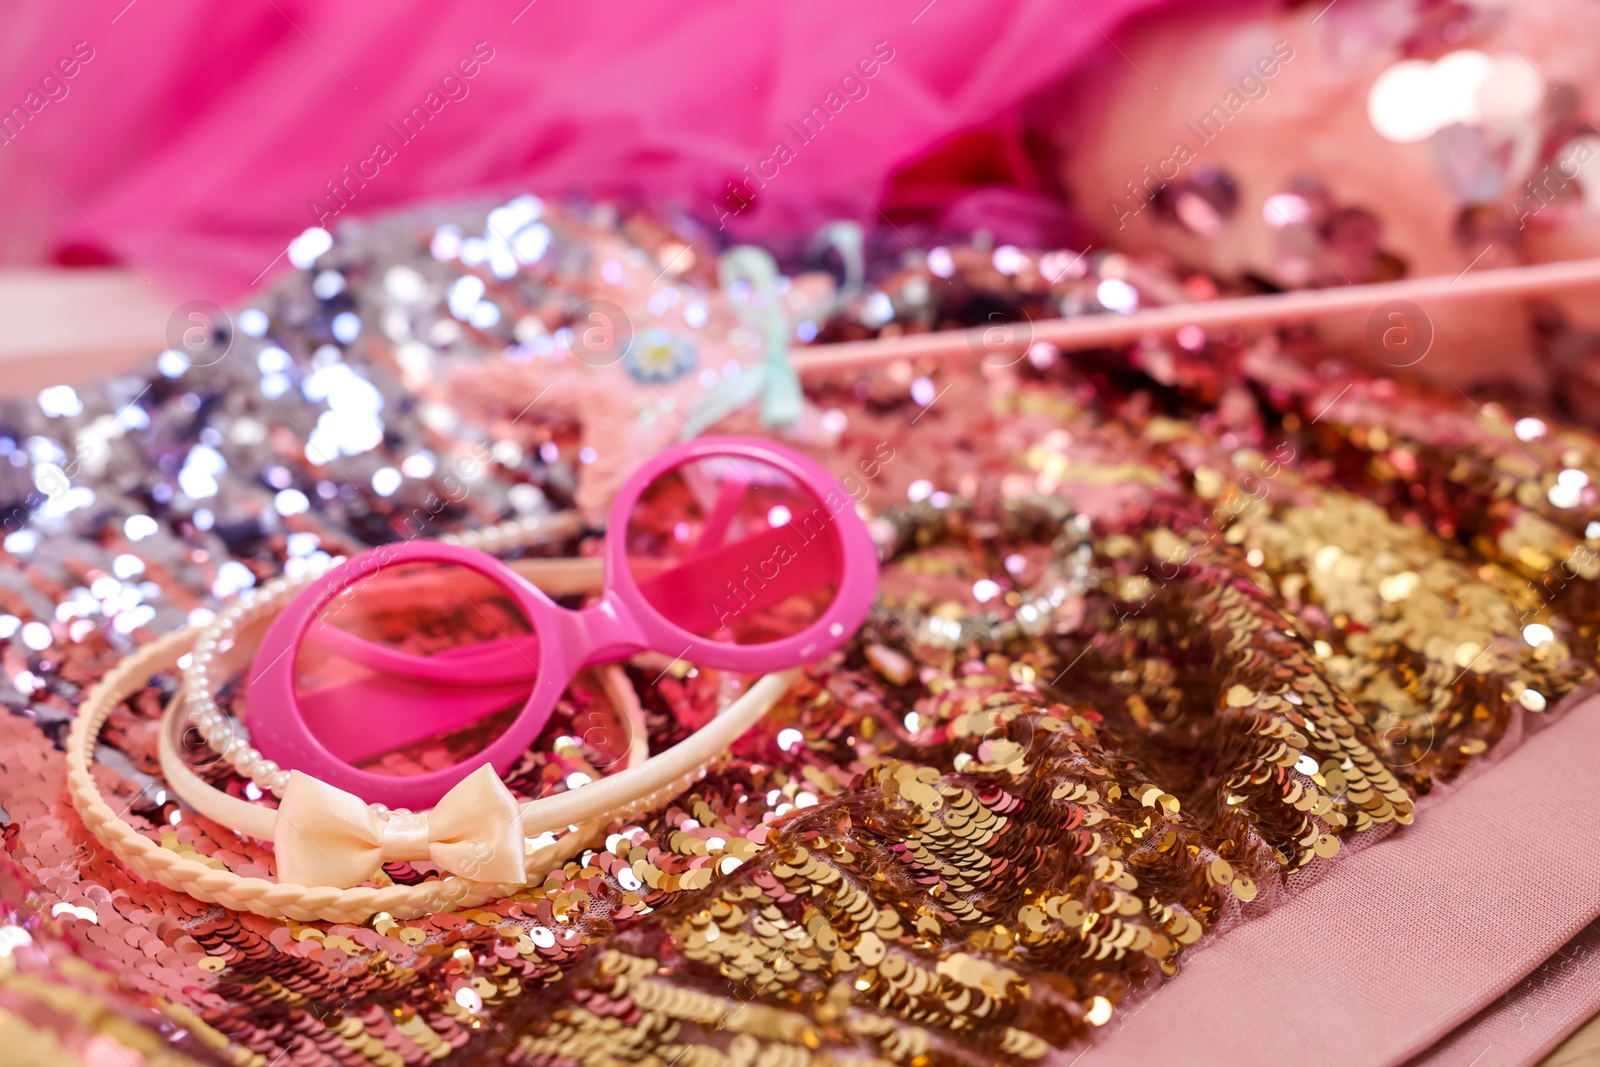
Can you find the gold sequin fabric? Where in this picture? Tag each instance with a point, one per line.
(1304, 604)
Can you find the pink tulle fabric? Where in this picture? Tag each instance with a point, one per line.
(193, 142)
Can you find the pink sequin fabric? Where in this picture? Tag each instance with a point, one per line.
(1163, 633)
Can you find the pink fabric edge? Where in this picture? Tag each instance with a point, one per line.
(1534, 1017)
(1406, 942)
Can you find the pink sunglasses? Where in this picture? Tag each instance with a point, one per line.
(730, 553)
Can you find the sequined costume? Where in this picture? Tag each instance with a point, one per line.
(1287, 608)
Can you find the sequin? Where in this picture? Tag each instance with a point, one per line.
(1233, 621)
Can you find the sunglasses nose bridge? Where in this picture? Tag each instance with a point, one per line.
(600, 633)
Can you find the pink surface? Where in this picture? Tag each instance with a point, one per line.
(1534, 1016)
(194, 140)
(1414, 943)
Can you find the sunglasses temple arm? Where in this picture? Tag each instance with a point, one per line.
(413, 709)
(729, 497)
(747, 576)
(362, 719)
(492, 662)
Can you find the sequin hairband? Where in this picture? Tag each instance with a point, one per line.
(910, 527)
(589, 809)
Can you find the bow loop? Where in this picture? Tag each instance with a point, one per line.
(328, 837)
(773, 380)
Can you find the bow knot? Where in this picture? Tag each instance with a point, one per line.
(403, 836)
(328, 837)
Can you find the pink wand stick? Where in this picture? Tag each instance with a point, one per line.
(1272, 309)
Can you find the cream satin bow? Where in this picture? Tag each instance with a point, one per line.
(327, 837)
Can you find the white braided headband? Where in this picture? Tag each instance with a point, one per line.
(590, 808)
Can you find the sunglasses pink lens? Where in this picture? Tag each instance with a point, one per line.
(414, 667)
(735, 550)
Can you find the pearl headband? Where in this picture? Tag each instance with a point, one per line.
(351, 844)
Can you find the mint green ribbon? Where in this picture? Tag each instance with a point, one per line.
(773, 380)
(846, 239)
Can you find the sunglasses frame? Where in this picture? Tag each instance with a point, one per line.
(620, 624)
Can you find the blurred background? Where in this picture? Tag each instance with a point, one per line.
(156, 153)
